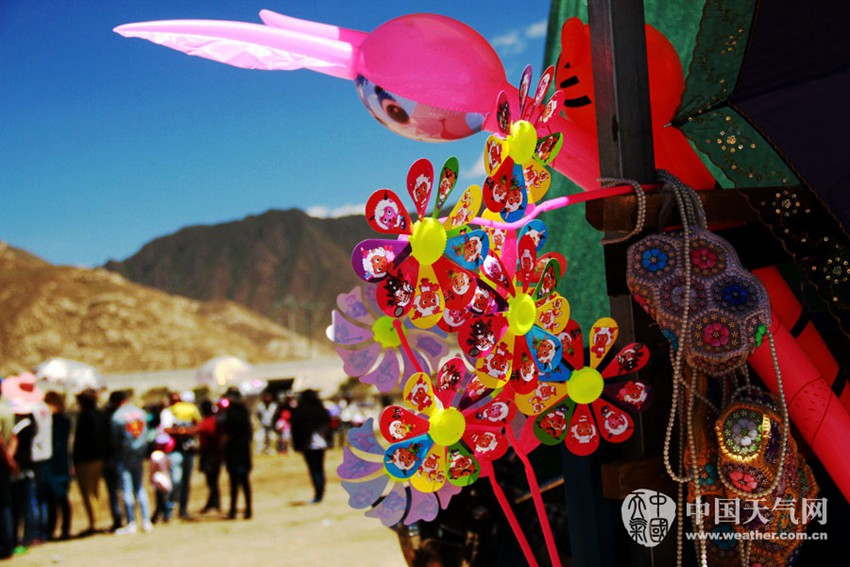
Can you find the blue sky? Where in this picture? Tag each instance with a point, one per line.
(107, 143)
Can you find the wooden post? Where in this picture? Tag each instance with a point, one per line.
(623, 118)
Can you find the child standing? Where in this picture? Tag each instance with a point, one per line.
(160, 472)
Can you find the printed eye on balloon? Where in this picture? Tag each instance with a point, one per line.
(417, 121)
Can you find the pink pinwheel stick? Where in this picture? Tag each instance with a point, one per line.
(557, 203)
(538, 500)
(406, 345)
(487, 468)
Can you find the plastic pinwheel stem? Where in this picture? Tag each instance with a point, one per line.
(538, 500)
(509, 514)
(552, 204)
(406, 345)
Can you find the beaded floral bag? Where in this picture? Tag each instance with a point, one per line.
(694, 286)
(714, 313)
(750, 459)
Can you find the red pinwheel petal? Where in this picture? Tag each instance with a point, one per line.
(553, 106)
(498, 184)
(527, 258)
(615, 425)
(494, 367)
(399, 424)
(524, 87)
(634, 394)
(452, 376)
(420, 181)
(631, 358)
(386, 213)
(396, 291)
(486, 444)
(548, 280)
(493, 414)
(560, 260)
(458, 284)
(583, 435)
(503, 113)
(496, 274)
(479, 335)
(572, 345)
(453, 319)
(543, 85)
(524, 373)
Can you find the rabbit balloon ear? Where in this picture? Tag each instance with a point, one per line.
(283, 44)
(316, 29)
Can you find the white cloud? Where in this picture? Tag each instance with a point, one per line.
(514, 41)
(510, 43)
(475, 172)
(537, 29)
(322, 212)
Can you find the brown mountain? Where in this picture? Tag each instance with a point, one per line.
(284, 264)
(99, 317)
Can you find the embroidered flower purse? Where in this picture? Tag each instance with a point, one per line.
(726, 313)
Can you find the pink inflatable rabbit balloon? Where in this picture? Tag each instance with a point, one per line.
(424, 76)
(407, 71)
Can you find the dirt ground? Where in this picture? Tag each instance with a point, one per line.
(284, 530)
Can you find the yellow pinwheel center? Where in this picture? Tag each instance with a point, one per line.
(385, 333)
(585, 385)
(522, 312)
(522, 141)
(447, 426)
(428, 241)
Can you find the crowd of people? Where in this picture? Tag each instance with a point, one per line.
(137, 451)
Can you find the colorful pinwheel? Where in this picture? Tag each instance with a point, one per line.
(514, 327)
(426, 271)
(458, 429)
(515, 157)
(369, 344)
(571, 404)
(448, 430)
(368, 486)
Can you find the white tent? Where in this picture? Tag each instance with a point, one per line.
(72, 376)
(223, 371)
